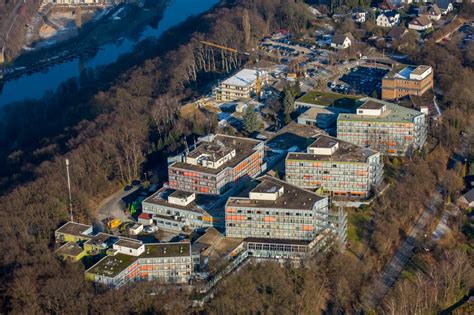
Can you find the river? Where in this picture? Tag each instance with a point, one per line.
(36, 85)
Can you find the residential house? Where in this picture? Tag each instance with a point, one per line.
(420, 23)
(432, 11)
(467, 200)
(359, 16)
(445, 6)
(388, 19)
(386, 5)
(342, 41)
(397, 33)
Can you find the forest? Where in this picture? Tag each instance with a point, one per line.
(112, 134)
(14, 18)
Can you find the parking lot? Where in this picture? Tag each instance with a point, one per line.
(364, 80)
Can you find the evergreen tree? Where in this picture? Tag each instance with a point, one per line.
(250, 119)
(288, 104)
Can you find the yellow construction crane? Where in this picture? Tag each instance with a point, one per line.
(257, 80)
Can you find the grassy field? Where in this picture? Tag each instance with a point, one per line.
(357, 227)
(329, 99)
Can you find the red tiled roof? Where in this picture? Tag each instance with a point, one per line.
(145, 216)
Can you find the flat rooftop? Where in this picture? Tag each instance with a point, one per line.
(111, 266)
(370, 104)
(267, 186)
(313, 112)
(324, 142)
(404, 71)
(347, 152)
(129, 243)
(69, 249)
(180, 194)
(73, 228)
(243, 78)
(201, 204)
(102, 238)
(329, 99)
(393, 114)
(244, 147)
(293, 198)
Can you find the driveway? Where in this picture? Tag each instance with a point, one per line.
(114, 206)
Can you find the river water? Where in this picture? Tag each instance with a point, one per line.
(35, 86)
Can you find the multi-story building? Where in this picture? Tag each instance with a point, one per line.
(175, 210)
(124, 259)
(386, 127)
(340, 168)
(131, 260)
(410, 80)
(239, 86)
(277, 210)
(217, 163)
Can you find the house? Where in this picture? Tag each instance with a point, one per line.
(432, 11)
(359, 16)
(397, 33)
(314, 11)
(420, 23)
(386, 5)
(145, 218)
(467, 200)
(388, 19)
(342, 41)
(445, 6)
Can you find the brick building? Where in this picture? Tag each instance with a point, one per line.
(217, 163)
(340, 168)
(410, 80)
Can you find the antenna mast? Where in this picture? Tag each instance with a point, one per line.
(69, 189)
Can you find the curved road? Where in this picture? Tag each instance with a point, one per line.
(381, 286)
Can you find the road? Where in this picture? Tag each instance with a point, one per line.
(392, 270)
(114, 206)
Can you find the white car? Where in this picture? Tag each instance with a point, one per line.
(150, 229)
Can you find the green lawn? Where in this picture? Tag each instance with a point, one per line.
(329, 99)
(358, 224)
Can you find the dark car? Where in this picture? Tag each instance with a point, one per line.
(136, 182)
(127, 188)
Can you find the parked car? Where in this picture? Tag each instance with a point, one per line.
(150, 229)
